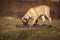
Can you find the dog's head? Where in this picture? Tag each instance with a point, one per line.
(25, 20)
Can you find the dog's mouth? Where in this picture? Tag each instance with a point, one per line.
(25, 22)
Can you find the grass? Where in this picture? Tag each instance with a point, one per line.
(8, 30)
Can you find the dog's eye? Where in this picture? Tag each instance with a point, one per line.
(26, 19)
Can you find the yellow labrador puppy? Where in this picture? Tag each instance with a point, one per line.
(35, 12)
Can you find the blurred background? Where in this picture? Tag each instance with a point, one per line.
(17, 8)
(11, 12)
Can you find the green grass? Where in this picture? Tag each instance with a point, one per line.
(8, 30)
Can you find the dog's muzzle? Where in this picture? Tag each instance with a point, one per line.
(25, 22)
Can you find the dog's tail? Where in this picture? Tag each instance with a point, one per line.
(51, 12)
